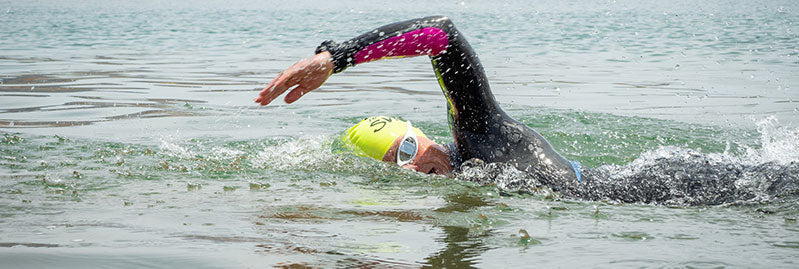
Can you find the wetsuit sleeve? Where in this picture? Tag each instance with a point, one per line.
(423, 36)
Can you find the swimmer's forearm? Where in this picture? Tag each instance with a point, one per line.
(431, 36)
(424, 36)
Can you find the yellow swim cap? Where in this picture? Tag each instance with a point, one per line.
(373, 136)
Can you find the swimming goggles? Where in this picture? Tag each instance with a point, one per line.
(408, 147)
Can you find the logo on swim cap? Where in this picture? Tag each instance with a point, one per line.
(373, 136)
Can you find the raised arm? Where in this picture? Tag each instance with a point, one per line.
(424, 36)
(480, 128)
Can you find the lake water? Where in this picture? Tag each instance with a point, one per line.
(129, 136)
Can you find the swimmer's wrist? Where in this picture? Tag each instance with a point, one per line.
(338, 57)
(327, 45)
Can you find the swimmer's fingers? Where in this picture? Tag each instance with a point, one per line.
(265, 96)
(309, 82)
(296, 93)
(278, 86)
(282, 82)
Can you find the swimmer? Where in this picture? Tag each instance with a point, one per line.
(480, 128)
(483, 131)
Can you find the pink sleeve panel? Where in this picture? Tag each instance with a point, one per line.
(426, 41)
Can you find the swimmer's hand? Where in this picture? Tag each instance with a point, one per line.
(307, 74)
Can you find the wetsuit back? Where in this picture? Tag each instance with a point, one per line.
(481, 129)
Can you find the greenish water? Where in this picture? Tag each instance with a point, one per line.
(129, 138)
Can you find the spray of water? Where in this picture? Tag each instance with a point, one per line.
(304, 152)
(666, 175)
(778, 144)
(675, 175)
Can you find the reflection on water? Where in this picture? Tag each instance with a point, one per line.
(30, 245)
(462, 248)
(461, 245)
(105, 104)
(148, 108)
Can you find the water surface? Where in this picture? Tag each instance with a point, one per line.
(129, 138)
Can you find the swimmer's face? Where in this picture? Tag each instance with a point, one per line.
(431, 158)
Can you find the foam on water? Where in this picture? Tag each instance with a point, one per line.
(304, 152)
(174, 149)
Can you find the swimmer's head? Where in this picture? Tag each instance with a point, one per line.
(373, 136)
(379, 138)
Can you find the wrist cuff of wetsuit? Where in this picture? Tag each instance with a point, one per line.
(338, 58)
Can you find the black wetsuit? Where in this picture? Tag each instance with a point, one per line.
(481, 129)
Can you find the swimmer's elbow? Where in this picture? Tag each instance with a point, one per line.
(440, 18)
(441, 21)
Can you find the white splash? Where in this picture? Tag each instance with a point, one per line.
(778, 143)
(222, 153)
(296, 153)
(173, 149)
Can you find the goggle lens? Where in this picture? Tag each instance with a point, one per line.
(407, 149)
